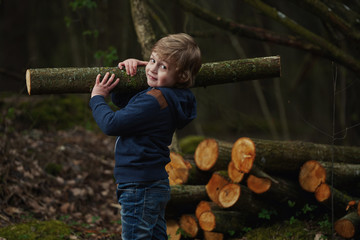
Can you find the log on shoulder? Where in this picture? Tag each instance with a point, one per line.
(81, 80)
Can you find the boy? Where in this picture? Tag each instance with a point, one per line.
(145, 126)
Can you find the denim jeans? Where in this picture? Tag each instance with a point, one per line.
(143, 209)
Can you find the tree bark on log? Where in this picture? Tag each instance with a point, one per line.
(213, 236)
(184, 199)
(212, 155)
(340, 202)
(81, 80)
(223, 221)
(289, 156)
(345, 176)
(348, 226)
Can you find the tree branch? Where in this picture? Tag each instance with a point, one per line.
(327, 15)
(248, 31)
(143, 28)
(336, 54)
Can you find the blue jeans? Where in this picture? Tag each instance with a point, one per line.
(143, 209)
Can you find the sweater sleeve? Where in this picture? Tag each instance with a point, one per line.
(120, 99)
(132, 119)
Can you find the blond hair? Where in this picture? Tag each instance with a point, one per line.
(180, 49)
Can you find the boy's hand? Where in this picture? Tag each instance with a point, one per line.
(104, 87)
(131, 65)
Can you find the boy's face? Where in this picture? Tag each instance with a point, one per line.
(160, 73)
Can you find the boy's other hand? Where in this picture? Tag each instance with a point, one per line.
(131, 65)
(104, 87)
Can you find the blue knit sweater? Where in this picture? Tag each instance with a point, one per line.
(144, 126)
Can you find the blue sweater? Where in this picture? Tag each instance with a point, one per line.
(144, 126)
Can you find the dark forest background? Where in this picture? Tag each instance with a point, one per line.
(56, 164)
(316, 98)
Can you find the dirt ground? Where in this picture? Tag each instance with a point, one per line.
(66, 175)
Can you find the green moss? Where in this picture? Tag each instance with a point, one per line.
(53, 168)
(295, 230)
(44, 230)
(51, 112)
(189, 143)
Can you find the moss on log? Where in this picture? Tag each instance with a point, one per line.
(81, 80)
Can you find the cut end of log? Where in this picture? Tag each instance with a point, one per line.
(311, 175)
(206, 154)
(172, 230)
(189, 225)
(243, 154)
(203, 206)
(323, 192)
(177, 169)
(214, 186)
(344, 228)
(207, 221)
(235, 175)
(28, 81)
(229, 195)
(258, 185)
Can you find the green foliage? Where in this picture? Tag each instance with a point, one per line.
(53, 169)
(308, 208)
(93, 33)
(291, 203)
(78, 4)
(108, 56)
(52, 112)
(325, 224)
(188, 144)
(266, 214)
(48, 230)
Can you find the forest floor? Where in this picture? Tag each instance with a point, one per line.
(51, 174)
(63, 175)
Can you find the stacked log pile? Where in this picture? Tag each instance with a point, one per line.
(226, 185)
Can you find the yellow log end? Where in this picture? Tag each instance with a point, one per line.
(28, 81)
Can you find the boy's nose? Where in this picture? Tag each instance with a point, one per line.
(153, 68)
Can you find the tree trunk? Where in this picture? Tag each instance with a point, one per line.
(337, 201)
(212, 155)
(289, 156)
(184, 199)
(223, 221)
(81, 80)
(345, 176)
(348, 226)
(144, 31)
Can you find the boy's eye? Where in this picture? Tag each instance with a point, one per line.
(152, 60)
(163, 67)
